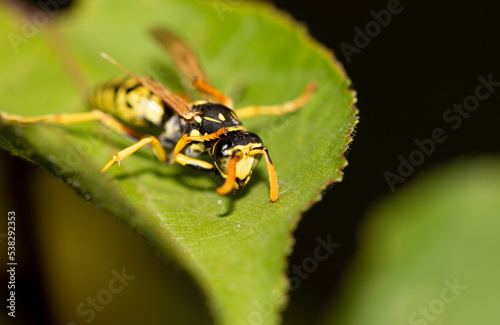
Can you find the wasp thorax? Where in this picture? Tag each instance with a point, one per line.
(245, 147)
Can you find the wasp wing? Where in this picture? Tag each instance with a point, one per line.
(157, 88)
(184, 57)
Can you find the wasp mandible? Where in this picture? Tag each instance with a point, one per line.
(187, 130)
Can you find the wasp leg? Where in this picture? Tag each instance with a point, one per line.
(288, 107)
(192, 162)
(160, 153)
(106, 119)
(63, 118)
(212, 92)
(186, 139)
(228, 185)
(75, 118)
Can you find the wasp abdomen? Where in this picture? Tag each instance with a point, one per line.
(130, 102)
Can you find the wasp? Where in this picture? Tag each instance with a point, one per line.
(184, 130)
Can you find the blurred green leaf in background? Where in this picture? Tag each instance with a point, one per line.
(429, 253)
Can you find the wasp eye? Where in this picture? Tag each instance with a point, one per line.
(221, 146)
(220, 155)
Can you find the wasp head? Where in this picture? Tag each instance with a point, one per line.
(236, 155)
(244, 149)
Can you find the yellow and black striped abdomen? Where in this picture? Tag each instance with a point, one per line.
(129, 101)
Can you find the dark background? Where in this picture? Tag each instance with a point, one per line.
(423, 62)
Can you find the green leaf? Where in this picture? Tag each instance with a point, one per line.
(234, 246)
(429, 254)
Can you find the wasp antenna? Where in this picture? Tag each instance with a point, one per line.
(127, 71)
(104, 55)
(273, 179)
(110, 59)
